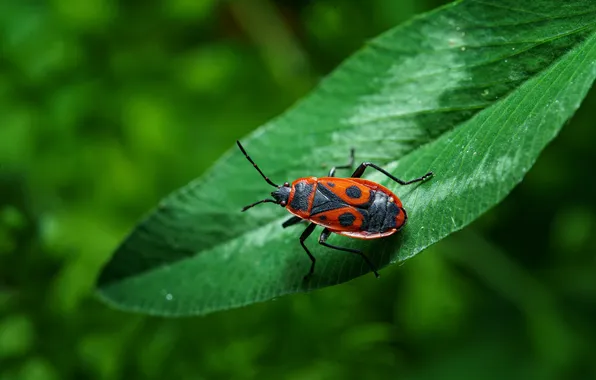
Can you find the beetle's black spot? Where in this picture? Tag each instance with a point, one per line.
(347, 219)
(330, 184)
(322, 217)
(353, 192)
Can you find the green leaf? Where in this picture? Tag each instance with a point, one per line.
(472, 91)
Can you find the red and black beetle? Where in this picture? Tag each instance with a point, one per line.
(353, 207)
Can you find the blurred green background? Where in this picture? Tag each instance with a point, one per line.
(107, 106)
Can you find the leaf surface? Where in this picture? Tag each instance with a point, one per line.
(472, 91)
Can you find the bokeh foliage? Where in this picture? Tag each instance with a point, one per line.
(107, 106)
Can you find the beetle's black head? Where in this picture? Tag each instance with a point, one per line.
(280, 197)
(282, 194)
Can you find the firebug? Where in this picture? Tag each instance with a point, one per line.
(353, 207)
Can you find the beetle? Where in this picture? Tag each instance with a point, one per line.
(353, 207)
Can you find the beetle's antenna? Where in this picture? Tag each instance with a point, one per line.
(259, 202)
(255, 165)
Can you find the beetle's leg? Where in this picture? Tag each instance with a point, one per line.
(360, 170)
(350, 165)
(290, 222)
(307, 232)
(323, 241)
